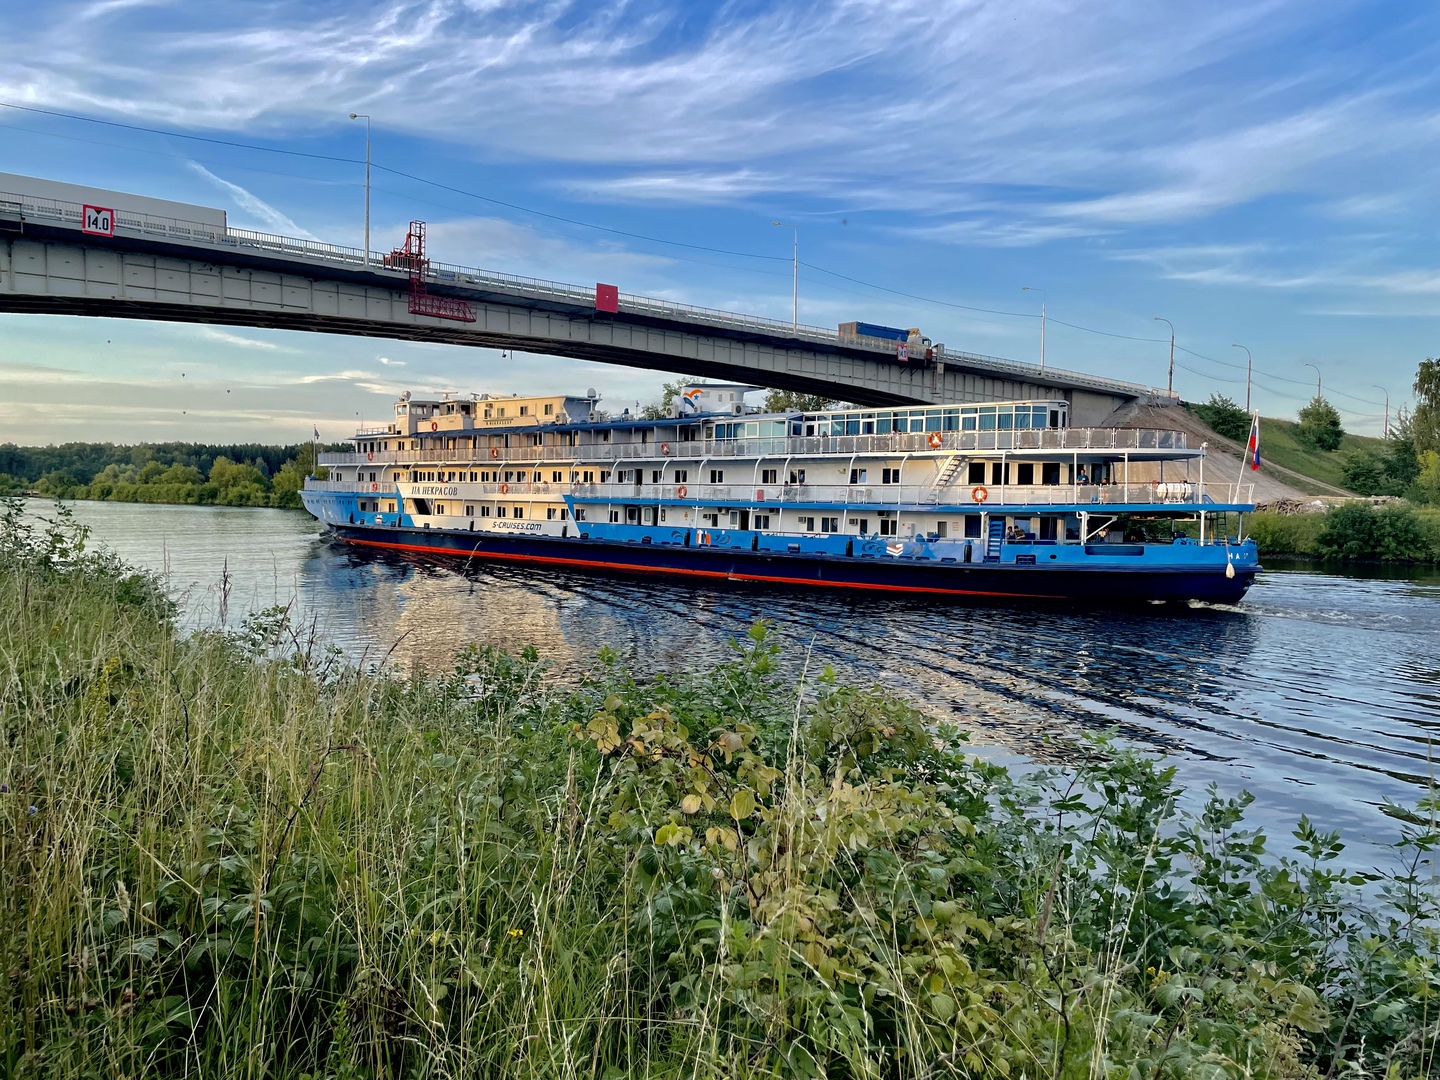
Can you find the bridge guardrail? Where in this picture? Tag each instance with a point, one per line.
(70, 214)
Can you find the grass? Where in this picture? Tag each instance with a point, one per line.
(228, 855)
(1280, 444)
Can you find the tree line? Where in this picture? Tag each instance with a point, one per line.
(245, 474)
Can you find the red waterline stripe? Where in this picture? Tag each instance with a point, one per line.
(555, 561)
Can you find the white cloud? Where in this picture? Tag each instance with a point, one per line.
(391, 363)
(214, 333)
(253, 204)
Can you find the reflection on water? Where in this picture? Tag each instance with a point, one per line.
(1320, 693)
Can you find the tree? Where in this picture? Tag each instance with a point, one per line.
(1225, 417)
(794, 401)
(1364, 472)
(1425, 420)
(1320, 425)
(660, 410)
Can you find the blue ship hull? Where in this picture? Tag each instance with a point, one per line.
(1109, 582)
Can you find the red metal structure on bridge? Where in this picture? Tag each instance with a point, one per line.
(412, 258)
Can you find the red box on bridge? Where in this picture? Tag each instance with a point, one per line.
(607, 298)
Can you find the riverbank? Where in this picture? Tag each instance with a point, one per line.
(228, 852)
(1353, 532)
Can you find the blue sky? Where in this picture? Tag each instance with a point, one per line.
(1260, 173)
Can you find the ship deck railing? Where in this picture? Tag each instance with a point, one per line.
(959, 442)
(1178, 494)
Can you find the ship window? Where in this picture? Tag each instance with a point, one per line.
(1050, 472)
(760, 522)
(888, 526)
(550, 513)
(1022, 418)
(717, 476)
(862, 525)
(977, 473)
(655, 476)
(614, 516)
(713, 520)
(517, 511)
(1025, 474)
(967, 423)
(500, 411)
(807, 524)
(550, 409)
(769, 476)
(997, 473)
(579, 515)
(564, 515)
(502, 511)
(485, 511)
(557, 477)
(389, 507)
(1047, 528)
(589, 476)
(734, 517)
(889, 476)
(536, 476)
(829, 524)
(797, 476)
(524, 410)
(884, 425)
(858, 476)
(972, 526)
(987, 420)
(681, 475)
(1005, 419)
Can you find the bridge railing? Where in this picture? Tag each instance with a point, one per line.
(70, 214)
(960, 442)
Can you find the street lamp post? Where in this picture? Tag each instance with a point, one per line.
(795, 296)
(1386, 433)
(363, 116)
(1029, 288)
(1170, 381)
(1319, 387)
(1249, 366)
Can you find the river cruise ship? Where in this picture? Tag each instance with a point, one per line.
(1001, 499)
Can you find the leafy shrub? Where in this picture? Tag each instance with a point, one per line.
(1285, 534)
(1320, 427)
(1224, 417)
(1357, 532)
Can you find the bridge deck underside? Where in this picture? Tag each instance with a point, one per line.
(134, 279)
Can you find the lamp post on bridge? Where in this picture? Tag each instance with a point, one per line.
(1170, 381)
(1249, 364)
(795, 298)
(1319, 386)
(366, 118)
(1386, 433)
(1030, 288)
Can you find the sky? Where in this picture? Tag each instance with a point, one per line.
(1259, 173)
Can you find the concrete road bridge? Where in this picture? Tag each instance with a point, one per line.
(68, 250)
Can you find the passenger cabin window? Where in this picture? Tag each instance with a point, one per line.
(769, 476)
(550, 410)
(681, 475)
(717, 476)
(972, 526)
(797, 476)
(890, 476)
(977, 473)
(1025, 473)
(1050, 472)
(857, 476)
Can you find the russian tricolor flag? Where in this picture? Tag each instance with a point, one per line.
(1253, 448)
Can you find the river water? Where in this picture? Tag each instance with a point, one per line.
(1320, 693)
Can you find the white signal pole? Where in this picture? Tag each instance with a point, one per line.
(795, 299)
(362, 116)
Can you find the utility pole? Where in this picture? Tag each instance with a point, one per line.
(1318, 385)
(1028, 288)
(1382, 389)
(795, 297)
(363, 116)
(1170, 382)
(1249, 365)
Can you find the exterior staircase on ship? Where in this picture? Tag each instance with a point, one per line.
(948, 472)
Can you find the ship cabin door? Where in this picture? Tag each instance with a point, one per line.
(649, 515)
(744, 520)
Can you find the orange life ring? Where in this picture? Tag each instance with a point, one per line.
(681, 491)
(979, 494)
(935, 439)
(370, 456)
(665, 448)
(434, 425)
(494, 451)
(504, 489)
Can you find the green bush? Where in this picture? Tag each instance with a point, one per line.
(1224, 417)
(1357, 532)
(1285, 534)
(1320, 427)
(226, 854)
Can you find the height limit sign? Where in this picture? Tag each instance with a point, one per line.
(98, 220)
